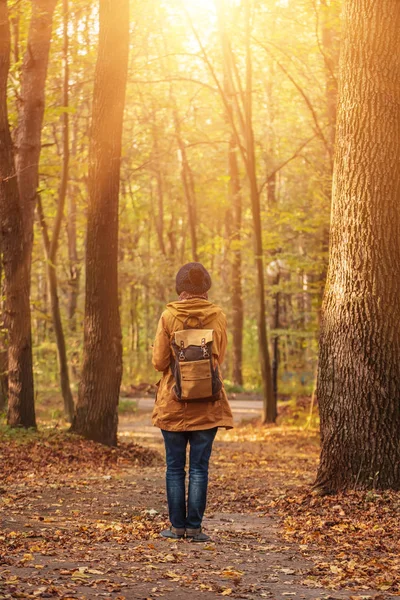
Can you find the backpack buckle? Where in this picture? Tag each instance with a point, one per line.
(204, 348)
(182, 352)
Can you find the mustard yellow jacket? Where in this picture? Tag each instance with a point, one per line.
(171, 414)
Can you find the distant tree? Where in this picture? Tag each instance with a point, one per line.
(14, 257)
(51, 243)
(243, 135)
(96, 412)
(359, 377)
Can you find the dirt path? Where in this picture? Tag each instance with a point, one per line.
(87, 534)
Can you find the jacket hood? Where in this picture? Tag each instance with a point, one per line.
(197, 307)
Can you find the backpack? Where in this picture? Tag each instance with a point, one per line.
(196, 379)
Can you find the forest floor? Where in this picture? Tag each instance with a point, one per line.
(82, 521)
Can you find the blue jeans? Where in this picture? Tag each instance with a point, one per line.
(200, 451)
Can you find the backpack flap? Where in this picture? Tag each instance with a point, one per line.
(193, 337)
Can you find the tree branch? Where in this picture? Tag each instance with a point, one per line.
(220, 90)
(285, 162)
(304, 96)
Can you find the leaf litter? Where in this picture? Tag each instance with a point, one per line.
(83, 521)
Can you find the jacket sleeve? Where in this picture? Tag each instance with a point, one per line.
(223, 341)
(161, 349)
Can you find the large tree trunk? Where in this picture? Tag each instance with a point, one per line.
(96, 412)
(31, 110)
(359, 378)
(16, 271)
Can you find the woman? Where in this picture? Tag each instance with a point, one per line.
(194, 422)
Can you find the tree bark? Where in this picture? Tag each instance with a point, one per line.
(31, 111)
(21, 409)
(330, 16)
(359, 379)
(96, 414)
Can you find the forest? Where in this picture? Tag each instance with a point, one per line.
(261, 139)
(185, 190)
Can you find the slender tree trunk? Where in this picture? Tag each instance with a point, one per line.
(188, 187)
(3, 378)
(96, 414)
(74, 267)
(275, 342)
(3, 334)
(51, 245)
(57, 322)
(21, 409)
(269, 404)
(73, 258)
(159, 217)
(237, 295)
(235, 213)
(330, 18)
(242, 99)
(359, 379)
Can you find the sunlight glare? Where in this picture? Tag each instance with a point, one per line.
(203, 6)
(204, 9)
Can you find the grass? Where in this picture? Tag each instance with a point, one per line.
(22, 435)
(127, 406)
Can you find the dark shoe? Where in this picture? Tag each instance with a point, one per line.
(196, 535)
(173, 533)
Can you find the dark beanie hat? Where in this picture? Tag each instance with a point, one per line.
(193, 278)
